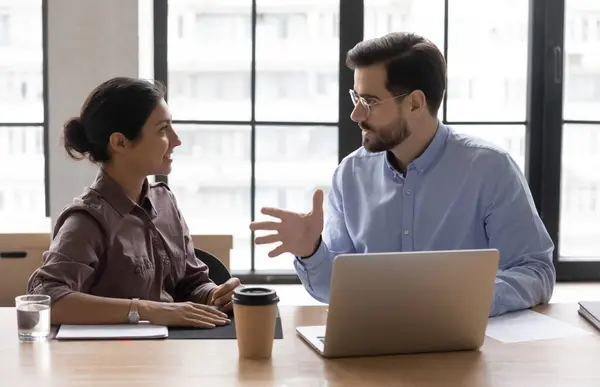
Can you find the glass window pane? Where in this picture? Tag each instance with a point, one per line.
(423, 17)
(21, 61)
(291, 162)
(511, 138)
(209, 56)
(211, 181)
(297, 60)
(22, 193)
(579, 205)
(487, 60)
(581, 60)
(580, 192)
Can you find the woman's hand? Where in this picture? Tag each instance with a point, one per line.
(221, 295)
(182, 314)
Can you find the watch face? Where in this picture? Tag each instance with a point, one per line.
(134, 317)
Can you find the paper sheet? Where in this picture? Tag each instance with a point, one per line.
(528, 325)
(118, 331)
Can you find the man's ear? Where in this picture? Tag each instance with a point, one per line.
(417, 102)
(118, 142)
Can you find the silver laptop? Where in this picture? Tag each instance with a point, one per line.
(401, 303)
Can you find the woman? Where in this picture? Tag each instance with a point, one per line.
(122, 251)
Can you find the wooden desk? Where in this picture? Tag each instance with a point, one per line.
(562, 362)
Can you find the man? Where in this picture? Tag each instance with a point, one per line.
(417, 185)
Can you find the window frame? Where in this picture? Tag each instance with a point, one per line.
(549, 58)
(543, 121)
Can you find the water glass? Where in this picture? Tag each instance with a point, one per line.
(33, 317)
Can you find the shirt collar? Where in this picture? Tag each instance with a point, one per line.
(431, 153)
(113, 193)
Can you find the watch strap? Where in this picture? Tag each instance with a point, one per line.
(134, 315)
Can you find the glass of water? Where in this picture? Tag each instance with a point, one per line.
(33, 317)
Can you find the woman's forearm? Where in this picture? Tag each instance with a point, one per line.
(80, 309)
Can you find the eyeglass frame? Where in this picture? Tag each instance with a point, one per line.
(364, 103)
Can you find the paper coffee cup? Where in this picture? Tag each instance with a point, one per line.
(255, 315)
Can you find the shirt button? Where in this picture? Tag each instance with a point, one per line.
(406, 232)
(407, 191)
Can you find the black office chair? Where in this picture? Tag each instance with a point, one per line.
(217, 272)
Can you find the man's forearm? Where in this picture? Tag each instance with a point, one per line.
(80, 309)
(521, 288)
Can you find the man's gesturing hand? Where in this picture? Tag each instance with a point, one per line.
(296, 233)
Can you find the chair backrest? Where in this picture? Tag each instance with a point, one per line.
(217, 271)
(219, 245)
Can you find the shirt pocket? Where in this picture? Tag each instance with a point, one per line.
(138, 265)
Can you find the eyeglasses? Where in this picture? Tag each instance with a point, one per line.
(356, 99)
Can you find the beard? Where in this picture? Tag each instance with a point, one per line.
(386, 138)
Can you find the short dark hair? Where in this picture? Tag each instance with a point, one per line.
(411, 61)
(120, 104)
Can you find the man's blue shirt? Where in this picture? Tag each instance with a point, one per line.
(461, 193)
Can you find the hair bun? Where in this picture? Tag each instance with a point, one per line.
(75, 138)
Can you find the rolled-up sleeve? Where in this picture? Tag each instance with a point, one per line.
(195, 286)
(69, 265)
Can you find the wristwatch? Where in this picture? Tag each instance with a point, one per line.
(134, 315)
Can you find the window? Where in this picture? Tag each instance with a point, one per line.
(228, 26)
(281, 26)
(583, 87)
(288, 60)
(579, 210)
(209, 72)
(288, 127)
(254, 116)
(22, 117)
(282, 85)
(4, 29)
(579, 194)
(180, 26)
(482, 90)
(294, 167)
(329, 25)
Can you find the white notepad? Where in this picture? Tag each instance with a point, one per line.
(114, 332)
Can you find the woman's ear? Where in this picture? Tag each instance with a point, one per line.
(118, 143)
